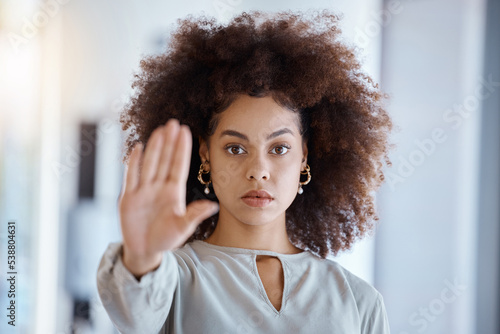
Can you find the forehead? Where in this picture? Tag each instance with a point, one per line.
(257, 116)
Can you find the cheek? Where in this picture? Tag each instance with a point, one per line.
(222, 179)
(288, 178)
(225, 173)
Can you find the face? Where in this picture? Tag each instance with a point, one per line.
(256, 154)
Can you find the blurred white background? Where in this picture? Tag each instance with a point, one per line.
(65, 71)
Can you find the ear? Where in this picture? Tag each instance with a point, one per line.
(304, 154)
(204, 154)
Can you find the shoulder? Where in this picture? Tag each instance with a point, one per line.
(368, 300)
(366, 297)
(363, 291)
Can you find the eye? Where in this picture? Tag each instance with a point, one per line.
(280, 150)
(234, 150)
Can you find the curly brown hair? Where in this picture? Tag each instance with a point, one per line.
(302, 63)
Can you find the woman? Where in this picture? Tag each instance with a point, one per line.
(286, 137)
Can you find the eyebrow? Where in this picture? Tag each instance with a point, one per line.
(242, 136)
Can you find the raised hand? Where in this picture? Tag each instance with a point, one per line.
(152, 206)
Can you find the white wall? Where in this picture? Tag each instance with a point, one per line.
(432, 66)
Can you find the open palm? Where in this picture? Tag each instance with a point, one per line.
(152, 205)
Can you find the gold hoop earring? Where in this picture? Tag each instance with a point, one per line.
(200, 178)
(307, 172)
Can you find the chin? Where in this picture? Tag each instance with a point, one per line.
(257, 218)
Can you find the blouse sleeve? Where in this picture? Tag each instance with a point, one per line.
(377, 322)
(136, 306)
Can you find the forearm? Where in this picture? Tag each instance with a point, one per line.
(136, 306)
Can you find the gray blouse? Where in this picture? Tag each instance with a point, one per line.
(205, 288)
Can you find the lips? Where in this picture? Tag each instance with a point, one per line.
(257, 194)
(257, 198)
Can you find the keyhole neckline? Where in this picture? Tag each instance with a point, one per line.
(284, 293)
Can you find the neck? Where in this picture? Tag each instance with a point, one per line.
(271, 236)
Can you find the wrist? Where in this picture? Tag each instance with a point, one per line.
(139, 265)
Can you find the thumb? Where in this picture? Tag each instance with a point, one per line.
(198, 211)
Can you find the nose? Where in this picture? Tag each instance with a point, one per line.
(257, 169)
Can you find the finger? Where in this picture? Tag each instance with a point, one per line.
(131, 173)
(171, 133)
(152, 156)
(182, 156)
(198, 211)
